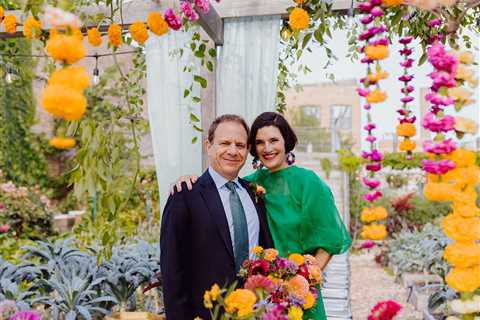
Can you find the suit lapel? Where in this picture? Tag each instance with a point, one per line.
(212, 199)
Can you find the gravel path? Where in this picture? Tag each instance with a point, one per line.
(370, 284)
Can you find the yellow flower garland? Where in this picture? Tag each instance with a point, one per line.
(299, 19)
(139, 32)
(10, 23)
(62, 143)
(94, 37)
(115, 35)
(66, 48)
(156, 23)
(32, 27)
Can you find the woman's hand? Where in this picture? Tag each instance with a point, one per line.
(323, 258)
(189, 180)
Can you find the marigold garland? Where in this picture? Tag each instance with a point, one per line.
(157, 24)
(115, 35)
(10, 23)
(299, 19)
(139, 32)
(2, 14)
(65, 48)
(32, 27)
(62, 143)
(94, 37)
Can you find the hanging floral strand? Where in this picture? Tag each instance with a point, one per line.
(375, 49)
(406, 127)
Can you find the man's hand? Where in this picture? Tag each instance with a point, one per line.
(189, 180)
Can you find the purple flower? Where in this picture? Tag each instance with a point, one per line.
(365, 35)
(366, 19)
(188, 11)
(434, 22)
(406, 40)
(407, 63)
(376, 155)
(366, 60)
(407, 89)
(405, 52)
(371, 183)
(408, 120)
(443, 124)
(380, 42)
(369, 126)
(202, 5)
(443, 147)
(438, 167)
(374, 30)
(173, 20)
(372, 196)
(367, 106)
(405, 78)
(377, 12)
(26, 315)
(407, 99)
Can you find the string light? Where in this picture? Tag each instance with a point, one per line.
(9, 76)
(96, 72)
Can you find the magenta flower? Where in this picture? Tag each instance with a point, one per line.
(367, 244)
(408, 120)
(403, 112)
(438, 167)
(372, 196)
(188, 11)
(407, 63)
(365, 35)
(371, 183)
(371, 138)
(443, 124)
(374, 30)
(405, 52)
(374, 166)
(202, 5)
(366, 19)
(380, 42)
(377, 12)
(441, 60)
(366, 60)
(376, 155)
(407, 99)
(173, 20)
(385, 310)
(405, 78)
(365, 6)
(367, 106)
(362, 92)
(369, 126)
(434, 22)
(442, 79)
(26, 315)
(438, 99)
(406, 40)
(443, 147)
(407, 89)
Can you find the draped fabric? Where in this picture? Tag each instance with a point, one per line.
(168, 110)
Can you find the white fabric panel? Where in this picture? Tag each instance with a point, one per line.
(168, 111)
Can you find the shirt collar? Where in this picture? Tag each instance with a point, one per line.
(219, 180)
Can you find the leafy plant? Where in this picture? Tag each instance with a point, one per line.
(11, 277)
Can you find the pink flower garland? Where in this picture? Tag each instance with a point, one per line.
(405, 112)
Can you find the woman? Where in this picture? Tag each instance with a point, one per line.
(301, 211)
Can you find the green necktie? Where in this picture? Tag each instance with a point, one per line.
(240, 228)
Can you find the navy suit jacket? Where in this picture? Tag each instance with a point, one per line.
(196, 248)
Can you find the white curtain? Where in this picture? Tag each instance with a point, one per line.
(247, 66)
(171, 131)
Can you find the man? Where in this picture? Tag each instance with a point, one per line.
(208, 232)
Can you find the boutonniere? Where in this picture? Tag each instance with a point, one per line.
(258, 191)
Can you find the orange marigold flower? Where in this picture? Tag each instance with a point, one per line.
(297, 258)
(32, 27)
(375, 77)
(298, 287)
(10, 23)
(115, 35)
(465, 210)
(62, 143)
(74, 77)
(407, 145)
(373, 214)
(374, 232)
(76, 32)
(462, 229)
(271, 254)
(139, 32)
(94, 37)
(309, 301)
(241, 301)
(257, 250)
(299, 19)
(299, 1)
(207, 300)
(376, 96)
(156, 23)
(63, 102)
(406, 130)
(392, 3)
(464, 279)
(463, 157)
(377, 52)
(462, 255)
(65, 48)
(440, 191)
(2, 13)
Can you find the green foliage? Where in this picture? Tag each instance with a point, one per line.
(326, 165)
(21, 158)
(349, 162)
(426, 211)
(398, 160)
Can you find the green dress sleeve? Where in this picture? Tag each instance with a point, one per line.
(252, 178)
(323, 226)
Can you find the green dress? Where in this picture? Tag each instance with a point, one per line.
(302, 216)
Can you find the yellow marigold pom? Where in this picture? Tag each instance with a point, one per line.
(463, 157)
(392, 3)
(464, 177)
(374, 232)
(139, 32)
(407, 145)
(271, 254)
(207, 300)
(299, 19)
(215, 292)
(10, 23)
(373, 214)
(375, 77)
(406, 130)
(74, 77)
(295, 313)
(257, 250)
(94, 37)
(241, 301)
(463, 255)
(378, 52)
(62, 143)
(76, 32)
(462, 229)
(440, 191)
(465, 279)
(376, 96)
(466, 210)
(32, 27)
(64, 102)
(297, 258)
(298, 287)
(156, 23)
(65, 48)
(309, 301)
(465, 125)
(115, 35)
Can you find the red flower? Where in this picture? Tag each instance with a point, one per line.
(303, 271)
(385, 310)
(260, 266)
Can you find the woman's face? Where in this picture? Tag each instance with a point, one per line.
(270, 147)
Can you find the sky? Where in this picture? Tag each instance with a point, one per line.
(384, 114)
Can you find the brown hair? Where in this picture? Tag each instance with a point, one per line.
(225, 118)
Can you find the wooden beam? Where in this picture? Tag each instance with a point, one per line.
(212, 23)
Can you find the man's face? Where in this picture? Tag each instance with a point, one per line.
(228, 150)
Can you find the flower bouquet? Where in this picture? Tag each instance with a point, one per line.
(274, 288)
